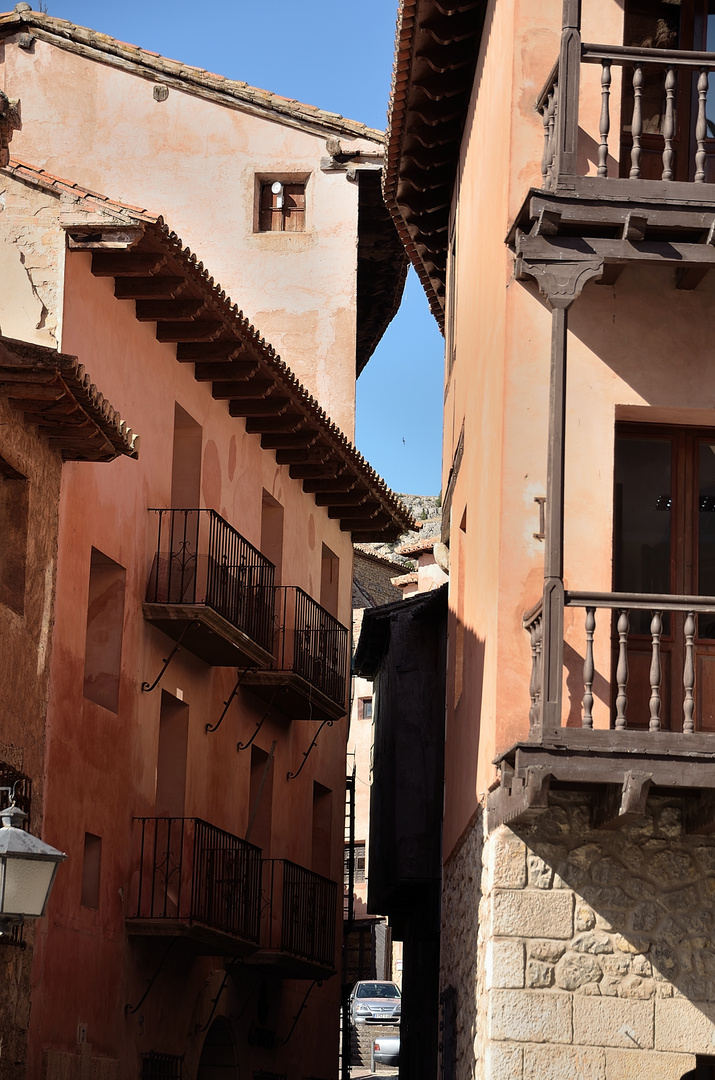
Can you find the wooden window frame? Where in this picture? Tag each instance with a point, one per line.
(284, 210)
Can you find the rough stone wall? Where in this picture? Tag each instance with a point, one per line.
(459, 946)
(595, 950)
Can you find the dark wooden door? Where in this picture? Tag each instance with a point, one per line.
(664, 542)
(668, 24)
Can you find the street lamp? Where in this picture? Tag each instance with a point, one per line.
(27, 869)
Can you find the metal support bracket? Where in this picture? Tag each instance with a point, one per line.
(214, 1001)
(244, 746)
(291, 775)
(315, 982)
(129, 1010)
(148, 687)
(231, 696)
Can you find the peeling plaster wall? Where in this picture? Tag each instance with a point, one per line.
(31, 262)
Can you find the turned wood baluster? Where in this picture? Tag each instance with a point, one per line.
(605, 125)
(552, 128)
(588, 669)
(656, 628)
(689, 675)
(701, 127)
(636, 123)
(548, 156)
(533, 714)
(669, 123)
(622, 670)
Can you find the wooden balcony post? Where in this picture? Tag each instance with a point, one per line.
(569, 83)
(560, 282)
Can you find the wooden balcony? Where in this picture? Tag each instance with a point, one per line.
(211, 590)
(652, 197)
(661, 732)
(298, 921)
(194, 881)
(308, 675)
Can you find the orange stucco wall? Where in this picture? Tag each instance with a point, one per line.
(101, 127)
(101, 766)
(621, 353)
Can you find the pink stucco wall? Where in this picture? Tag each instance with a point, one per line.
(101, 766)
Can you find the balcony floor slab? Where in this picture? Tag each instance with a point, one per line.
(200, 938)
(215, 640)
(293, 695)
(290, 967)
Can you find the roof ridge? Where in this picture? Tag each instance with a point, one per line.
(195, 267)
(240, 91)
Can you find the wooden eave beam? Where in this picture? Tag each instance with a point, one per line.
(265, 406)
(289, 440)
(200, 330)
(240, 388)
(336, 483)
(360, 512)
(364, 525)
(129, 264)
(196, 352)
(353, 497)
(288, 423)
(310, 470)
(226, 371)
(161, 287)
(168, 310)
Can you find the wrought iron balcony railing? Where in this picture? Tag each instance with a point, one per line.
(193, 878)
(310, 659)
(201, 563)
(299, 914)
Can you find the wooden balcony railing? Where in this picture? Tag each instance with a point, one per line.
(657, 608)
(299, 913)
(558, 104)
(191, 877)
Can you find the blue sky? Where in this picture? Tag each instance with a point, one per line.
(336, 55)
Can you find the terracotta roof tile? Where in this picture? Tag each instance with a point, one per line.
(196, 80)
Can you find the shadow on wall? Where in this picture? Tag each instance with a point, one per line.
(644, 913)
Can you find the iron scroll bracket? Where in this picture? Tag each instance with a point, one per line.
(129, 1010)
(148, 687)
(231, 696)
(306, 754)
(244, 746)
(296, 1018)
(214, 1001)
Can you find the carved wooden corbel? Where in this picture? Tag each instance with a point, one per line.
(618, 806)
(560, 281)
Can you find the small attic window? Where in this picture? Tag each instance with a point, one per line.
(282, 206)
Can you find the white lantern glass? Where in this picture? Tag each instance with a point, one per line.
(25, 885)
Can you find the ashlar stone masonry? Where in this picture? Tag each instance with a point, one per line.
(595, 950)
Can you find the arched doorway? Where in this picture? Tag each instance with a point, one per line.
(218, 1056)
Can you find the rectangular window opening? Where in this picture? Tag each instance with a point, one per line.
(105, 621)
(366, 708)
(14, 502)
(171, 759)
(329, 581)
(186, 462)
(260, 819)
(272, 532)
(91, 868)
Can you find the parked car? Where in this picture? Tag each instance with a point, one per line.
(374, 1002)
(385, 1050)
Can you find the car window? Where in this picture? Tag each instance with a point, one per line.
(377, 990)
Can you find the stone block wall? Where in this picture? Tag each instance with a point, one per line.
(595, 950)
